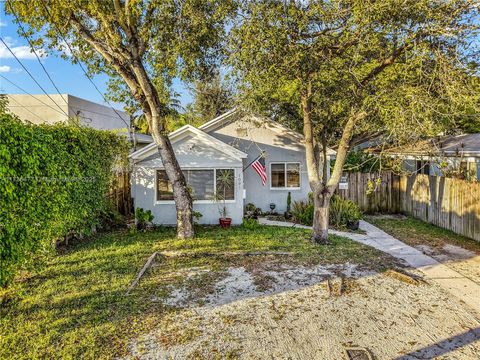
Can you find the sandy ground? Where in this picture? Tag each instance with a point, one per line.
(290, 313)
(463, 261)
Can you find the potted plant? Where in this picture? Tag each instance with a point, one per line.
(225, 178)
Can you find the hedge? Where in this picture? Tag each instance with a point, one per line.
(53, 181)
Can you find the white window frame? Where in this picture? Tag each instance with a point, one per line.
(285, 166)
(234, 200)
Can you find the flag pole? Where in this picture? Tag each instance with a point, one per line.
(258, 157)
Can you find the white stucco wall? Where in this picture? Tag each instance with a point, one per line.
(43, 109)
(280, 145)
(191, 154)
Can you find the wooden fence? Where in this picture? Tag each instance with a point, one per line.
(119, 193)
(449, 203)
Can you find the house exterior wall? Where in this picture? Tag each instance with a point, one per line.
(473, 165)
(280, 145)
(97, 115)
(191, 154)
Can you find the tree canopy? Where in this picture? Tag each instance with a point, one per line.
(343, 71)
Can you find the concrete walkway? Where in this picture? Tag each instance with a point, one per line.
(455, 283)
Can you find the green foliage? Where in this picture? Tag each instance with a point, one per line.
(343, 213)
(211, 98)
(197, 215)
(143, 216)
(409, 68)
(302, 212)
(360, 161)
(249, 223)
(252, 212)
(172, 39)
(53, 180)
(289, 201)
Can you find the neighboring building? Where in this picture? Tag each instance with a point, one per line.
(43, 109)
(229, 143)
(460, 154)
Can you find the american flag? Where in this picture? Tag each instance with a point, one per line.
(259, 166)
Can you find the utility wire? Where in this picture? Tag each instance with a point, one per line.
(31, 112)
(80, 64)
(36, 55)
(33, 78)
(26, 92)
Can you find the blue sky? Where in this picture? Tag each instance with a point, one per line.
(69, 78)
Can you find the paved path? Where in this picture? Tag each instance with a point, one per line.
(452, 281)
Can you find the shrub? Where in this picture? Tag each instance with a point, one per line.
(250, 223)
(302, 212)
(197, 215)
(53, 181)
(143, 217)
(252, 212)
(343, 213)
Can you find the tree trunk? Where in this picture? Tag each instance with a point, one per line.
(183, 199)
(321, 201)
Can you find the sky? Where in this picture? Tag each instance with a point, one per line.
(69, 78)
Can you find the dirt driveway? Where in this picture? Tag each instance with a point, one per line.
(295, 314)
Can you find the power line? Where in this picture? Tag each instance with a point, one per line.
(33, 78)
(34, 51)
(26, 92)
(79, 63)
(31, 112)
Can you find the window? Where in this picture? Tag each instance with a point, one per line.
(225, 183)
(164, 187)
(423, 167)
(203, 184)
(285, 175)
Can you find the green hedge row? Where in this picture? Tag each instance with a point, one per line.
(53, 180)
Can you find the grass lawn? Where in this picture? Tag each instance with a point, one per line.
(74, 305)
(416, 232)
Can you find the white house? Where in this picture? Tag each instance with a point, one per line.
(54, 108)
(229, 143)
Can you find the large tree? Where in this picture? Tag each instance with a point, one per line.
(142, 45)
(344, 70)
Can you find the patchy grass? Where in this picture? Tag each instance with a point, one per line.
(416, 232)
(75, 307)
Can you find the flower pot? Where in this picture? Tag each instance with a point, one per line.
(225, 222)
(353, 225)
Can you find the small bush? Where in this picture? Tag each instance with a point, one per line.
(249, 223)
(302, 212)
(252, 212)
(344, 213)
(144, 218)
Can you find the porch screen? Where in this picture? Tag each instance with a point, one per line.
(201, 183)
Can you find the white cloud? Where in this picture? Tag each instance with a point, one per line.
(21, 52)
(2, 23)
(4, 68)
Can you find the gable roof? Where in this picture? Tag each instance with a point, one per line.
(183, 132)
(221, 120)
(232, 115)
